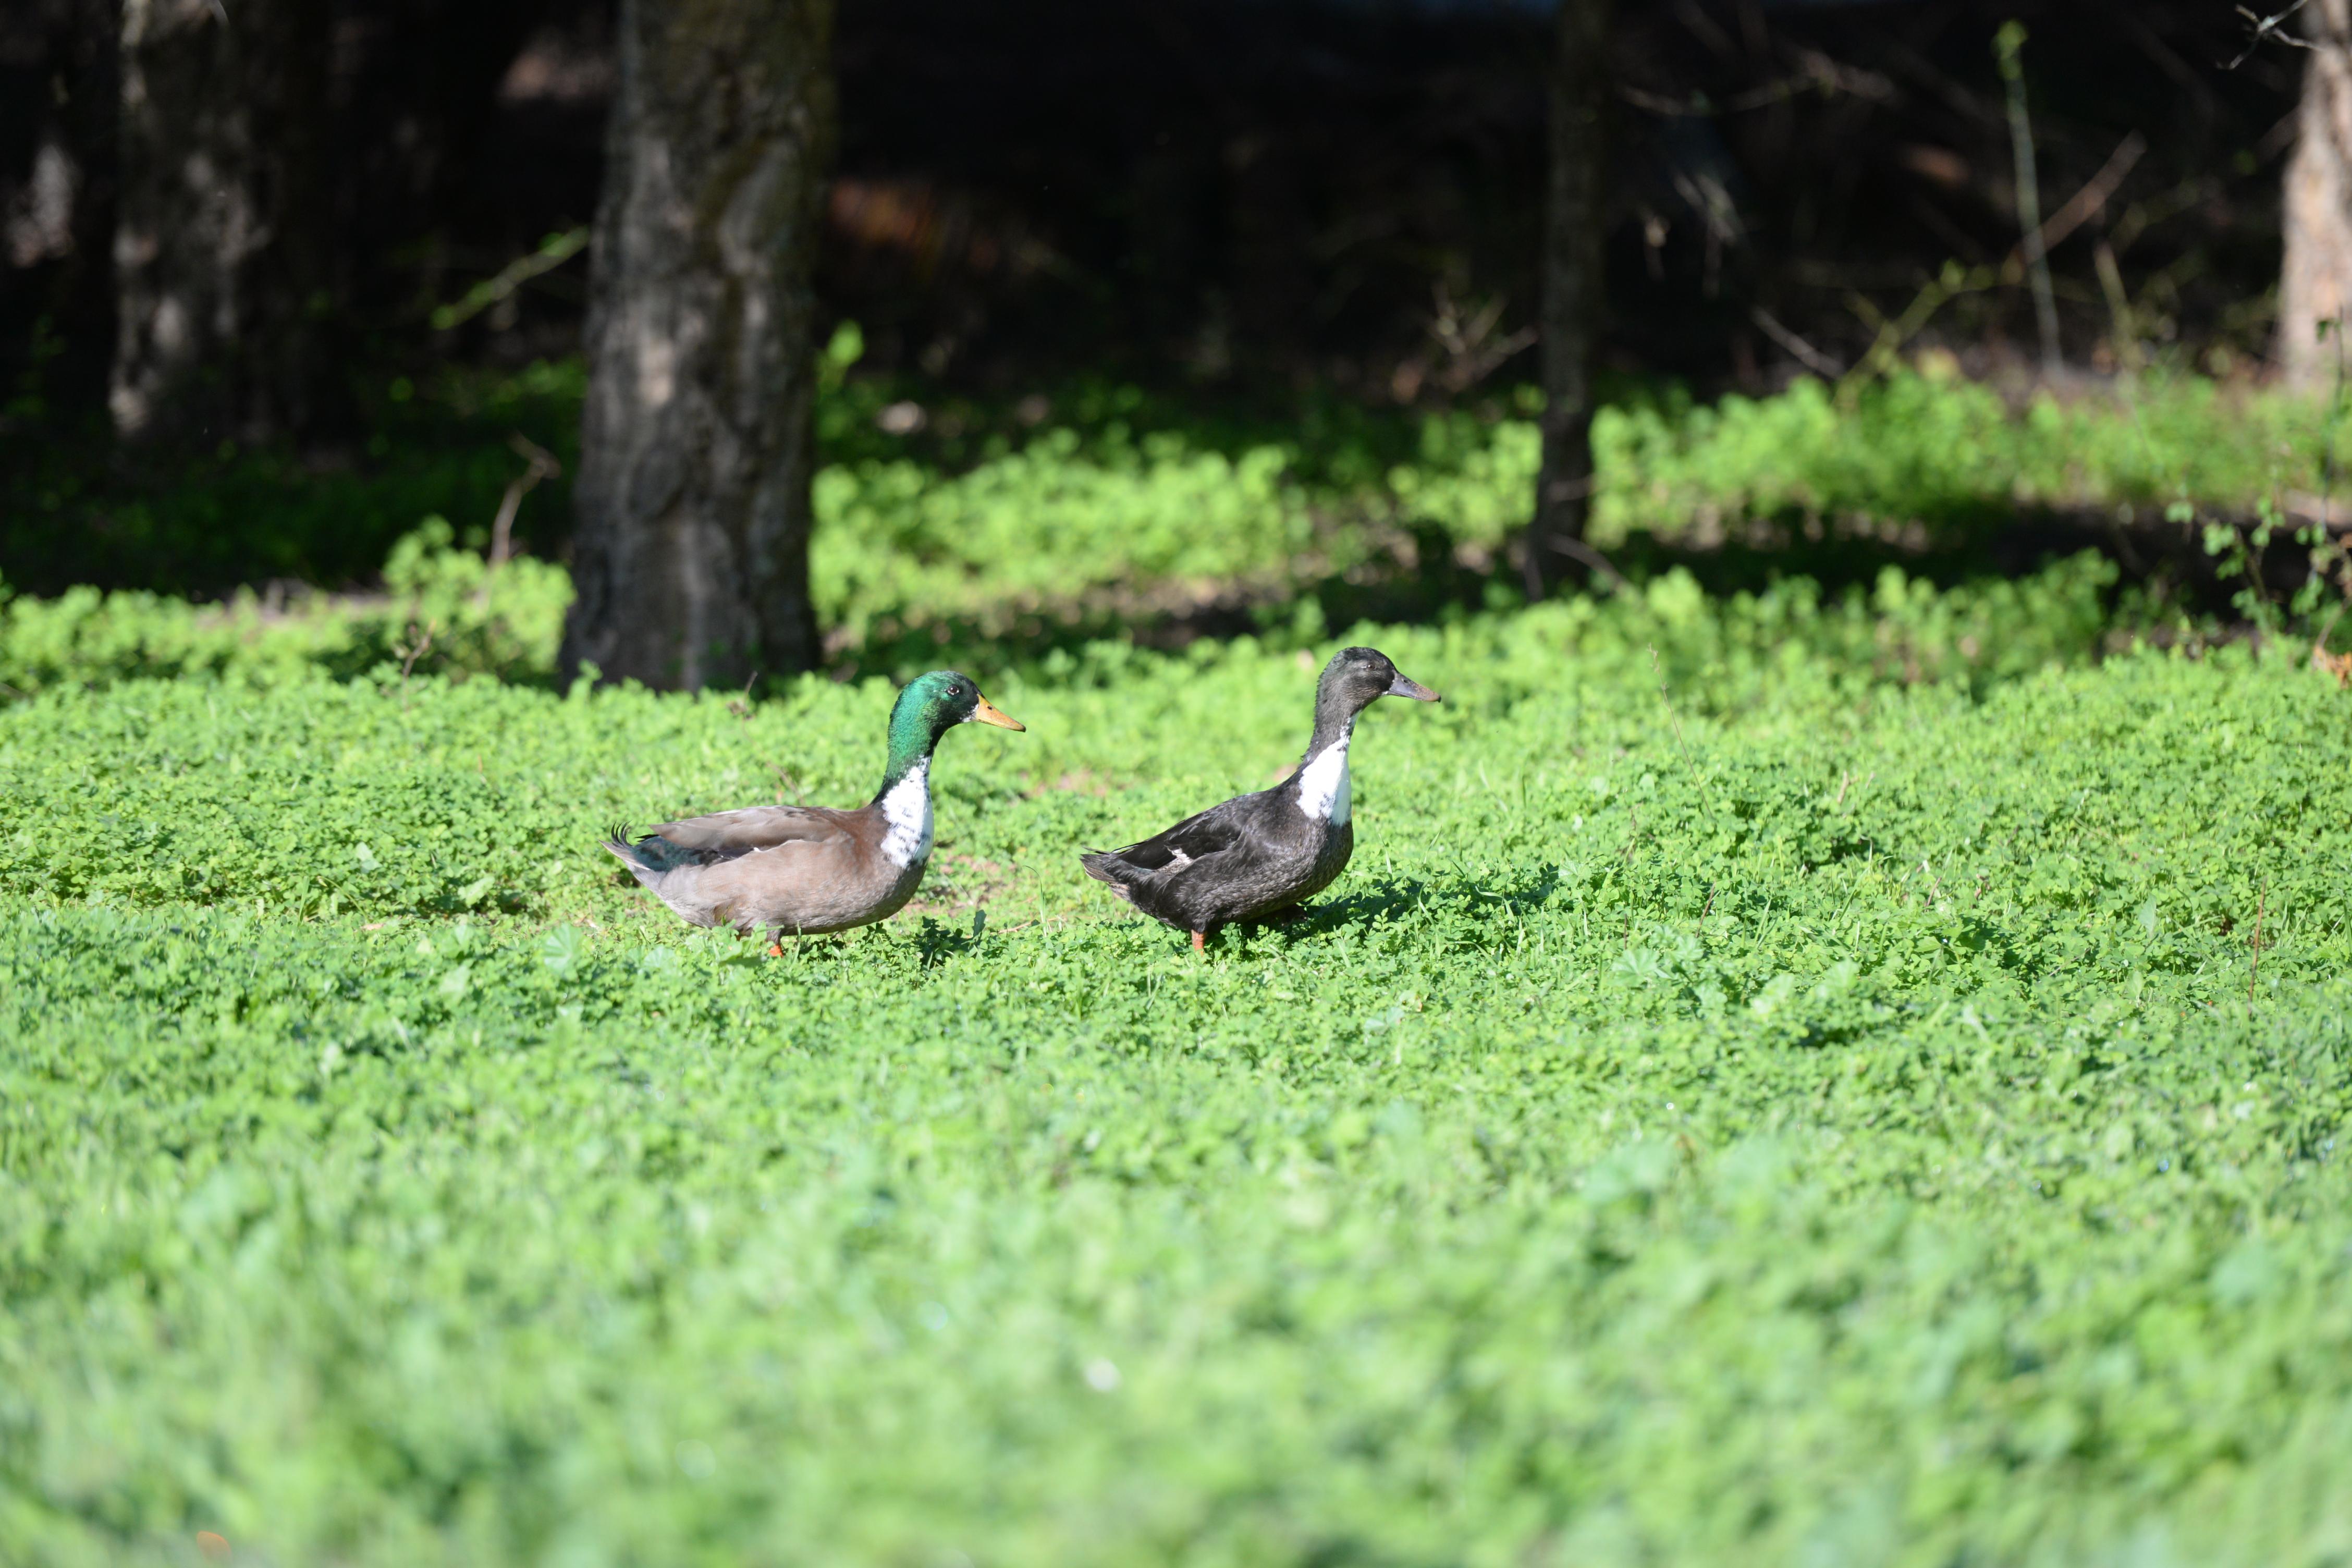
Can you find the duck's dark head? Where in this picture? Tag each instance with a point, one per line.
(1356, 678)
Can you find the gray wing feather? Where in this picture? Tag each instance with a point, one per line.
(752, 827)
(1212, 832)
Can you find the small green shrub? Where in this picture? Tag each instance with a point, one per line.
(1948, 453)
(1123, 498)
(1048, 526)
(509, 623)
(444, 606)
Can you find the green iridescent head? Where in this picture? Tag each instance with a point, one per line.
(930, 706)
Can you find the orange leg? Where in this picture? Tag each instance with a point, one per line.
(1199, 942)
(776, 948)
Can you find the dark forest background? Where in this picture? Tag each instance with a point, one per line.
(1233, 203)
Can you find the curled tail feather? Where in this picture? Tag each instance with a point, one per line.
(643, 865)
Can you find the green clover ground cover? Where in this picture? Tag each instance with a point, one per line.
(1737, 1108)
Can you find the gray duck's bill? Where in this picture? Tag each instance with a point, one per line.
(1401, 687)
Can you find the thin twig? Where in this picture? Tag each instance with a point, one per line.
(1889, 334)
(541, 465)
(2094, 195)
(409, 656)
(1676, 718)
(740, 704)
(2267, 28)
(2327, 491)
(410, 653)
(2256, 968)
(1576, 549)
(1812, 358)
(2006, 48)
(2111, 283)
(553, 252)
(1892, 333)
(1820, 73)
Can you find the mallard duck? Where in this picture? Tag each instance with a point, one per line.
(806, 870)
(1256, 855)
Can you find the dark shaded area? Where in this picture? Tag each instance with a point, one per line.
(1252, 206)
(2165, 568)
(59, 89)
(1261, 194)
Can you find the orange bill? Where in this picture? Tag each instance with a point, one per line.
(986, 712)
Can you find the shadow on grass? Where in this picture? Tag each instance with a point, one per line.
(1462, 913)
(1429, 584)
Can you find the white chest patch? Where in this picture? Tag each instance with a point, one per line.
(907, 809)
(1323, 785)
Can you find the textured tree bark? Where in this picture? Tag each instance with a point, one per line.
(223, 239)
(57, 197)
(1574, 297)
(697, 442)
(2316, 285)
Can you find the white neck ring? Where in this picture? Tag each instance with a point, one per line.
(907, 807)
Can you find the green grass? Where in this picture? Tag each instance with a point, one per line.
(1744, 1104)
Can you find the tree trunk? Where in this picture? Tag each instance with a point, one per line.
(1575, 228)
(697, 442)
(2315, 286)
(56, 202)
(223, 246)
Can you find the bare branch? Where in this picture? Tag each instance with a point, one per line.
(553, 252)
(2267, 28)
(2008, 46)
(541, 465)
(1820, 73)
(2087, 201)
(1812, 358)
(1577, 550)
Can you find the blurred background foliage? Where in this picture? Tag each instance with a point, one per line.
(1148, 320)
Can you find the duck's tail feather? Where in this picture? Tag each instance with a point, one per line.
(1105, 866)
(644, 857)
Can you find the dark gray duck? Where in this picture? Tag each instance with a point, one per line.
(1257, 856)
